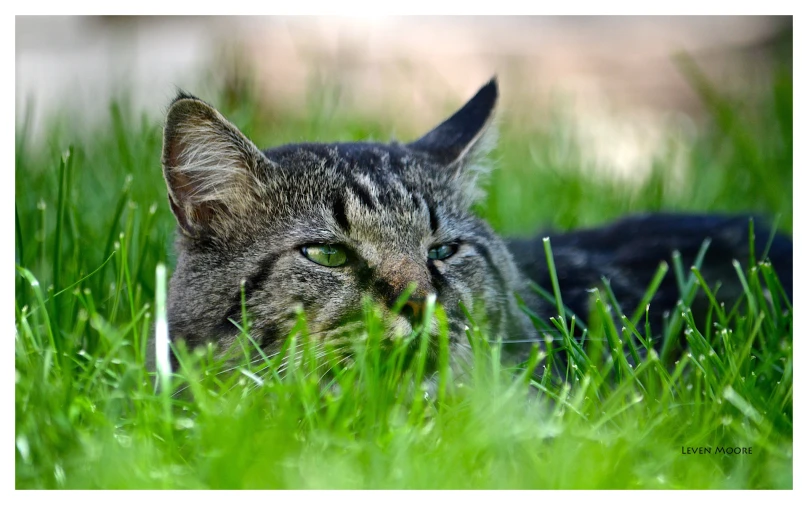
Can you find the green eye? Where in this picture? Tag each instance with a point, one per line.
(327, 255)
(442, 252)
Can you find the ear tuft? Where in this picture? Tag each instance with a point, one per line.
(212, 171)
(473, 174)
(181, 95)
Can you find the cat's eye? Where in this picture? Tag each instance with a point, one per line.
(328, 255)
(442, 252)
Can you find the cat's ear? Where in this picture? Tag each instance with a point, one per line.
(213, 172)
(463, 133)
(461, 143)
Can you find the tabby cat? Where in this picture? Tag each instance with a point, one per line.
(320, 226)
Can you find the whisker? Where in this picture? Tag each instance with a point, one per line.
(338, 363)
(256, 360)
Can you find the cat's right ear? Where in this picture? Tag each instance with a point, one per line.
(460, 136)
(213, 172)
(461, 143)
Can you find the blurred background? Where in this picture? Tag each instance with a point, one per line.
(620, 86)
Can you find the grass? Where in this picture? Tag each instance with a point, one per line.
(92, 226)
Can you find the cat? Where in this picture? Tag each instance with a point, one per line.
(320, 226)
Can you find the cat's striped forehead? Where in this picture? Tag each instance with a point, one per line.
(377, 176)
(370, 190)
(381, 164)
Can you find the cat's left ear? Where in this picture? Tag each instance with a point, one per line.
(214, 173)
(460, 142)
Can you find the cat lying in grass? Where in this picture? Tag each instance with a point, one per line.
(323, 227)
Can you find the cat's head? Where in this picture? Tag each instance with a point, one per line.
(322, 226)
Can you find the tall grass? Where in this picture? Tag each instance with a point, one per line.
(92, 226)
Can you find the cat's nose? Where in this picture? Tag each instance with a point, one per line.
(414, 309)
(396, 276)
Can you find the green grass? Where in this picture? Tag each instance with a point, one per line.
(92, 225)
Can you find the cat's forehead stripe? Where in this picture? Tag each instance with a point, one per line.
(362, 194)
(339, 214)
(434, 224)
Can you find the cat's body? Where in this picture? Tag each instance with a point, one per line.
(628, 254)
(320, 226)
